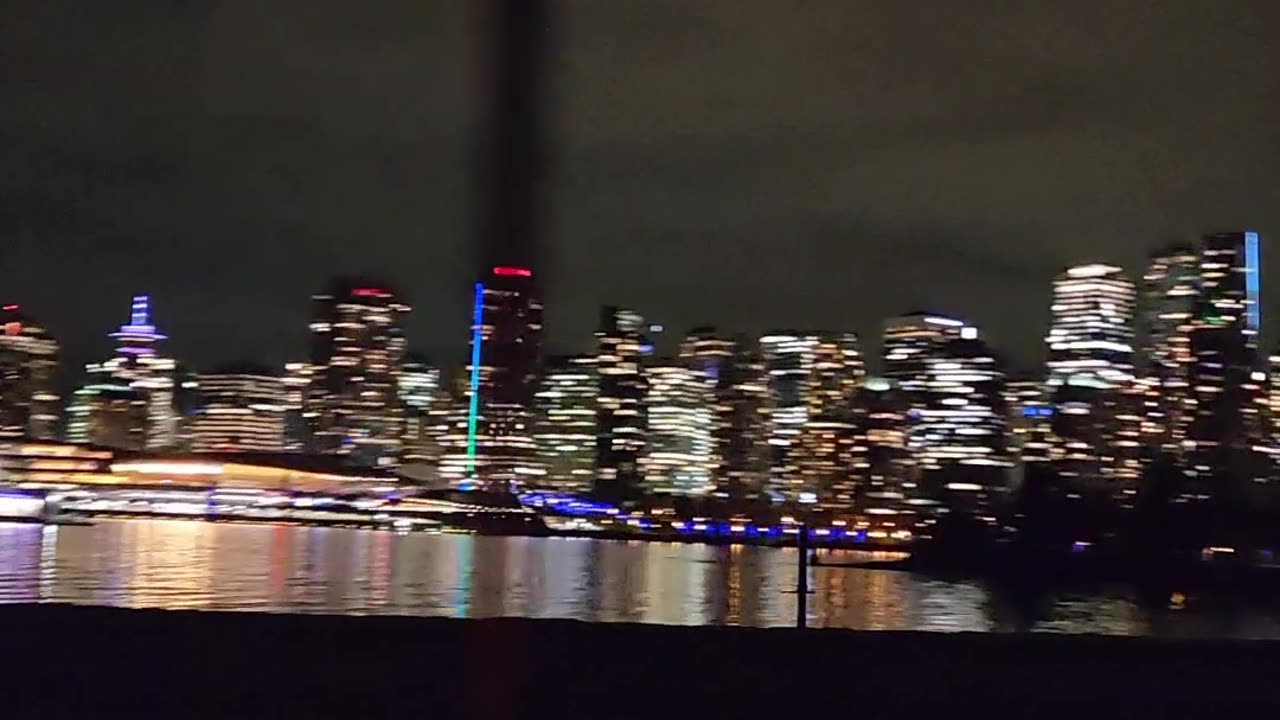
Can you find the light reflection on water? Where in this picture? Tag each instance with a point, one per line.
(177, 564)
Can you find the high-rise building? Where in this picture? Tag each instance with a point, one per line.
(734, 372)
(419, 384)
(114, 416)
(1226, 375)
(137, 365)
(352, 398)
(964, 460)
(297, 425)
(679, 442)
(1170, 287)
(787, 363)
(241, 409)
(910, 342)
(506, 338)
(566, 423)
(1091, 381)
(28, 377)
(812, 380)
(621, 418)
(885, 500)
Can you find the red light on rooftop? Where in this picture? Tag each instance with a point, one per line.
(370, 292)
(10, 307)
(516, 271)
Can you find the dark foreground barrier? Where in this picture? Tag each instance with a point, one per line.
(95, 662)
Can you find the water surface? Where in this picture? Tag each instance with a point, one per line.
(198, 565)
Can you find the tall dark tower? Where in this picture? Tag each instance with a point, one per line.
(1226, 372)
(506, 326)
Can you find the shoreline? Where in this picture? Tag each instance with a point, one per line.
(260, 664)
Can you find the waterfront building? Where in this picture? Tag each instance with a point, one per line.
(621, 417)
(1091, 381)
(1170, 288)
(352, 398)
(565, 431)
(1226, 377)
(28, 377)
(506, 339)
(241, 410)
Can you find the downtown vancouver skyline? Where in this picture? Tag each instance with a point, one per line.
(763, 168)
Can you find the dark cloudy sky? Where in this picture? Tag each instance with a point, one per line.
(752, 163)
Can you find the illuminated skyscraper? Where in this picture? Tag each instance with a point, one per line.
(679, 443)
(28, 382)
(1226, 374)
(506, 338)
(297, 426)
(964, 459)
(812, 379)
(240, 409)
(709, 356)
(1091, 380)
(112, 416)
(419, 384)
(910, 342)
(1170, 287)
(352, 398)
(566, 425)
(621, 418)
(137, 365)
(885, 499)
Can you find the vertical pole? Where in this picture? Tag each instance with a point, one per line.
(802, 578)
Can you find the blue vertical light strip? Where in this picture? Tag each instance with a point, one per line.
(1252, 280)
(474, 409)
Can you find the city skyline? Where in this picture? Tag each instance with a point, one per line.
(827, 163)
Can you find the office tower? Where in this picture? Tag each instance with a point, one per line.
(114, 416)
(28, 377)
(566, 423)
(240, 410)
(418, 386)
(812, 380)
(885, 499)
(910, 341)
(964, 461)
(137, 364)
(1226, 376)
(1028, 412)
(506, 336)
(709, 356)
(357, 345)
(787, 364)
(418, 382)
(1091, 377)
(297, 425)
(734, 372)
(679, 443)
(621, 419)
(1170, 287)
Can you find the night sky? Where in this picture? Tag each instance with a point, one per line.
(748, 163)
